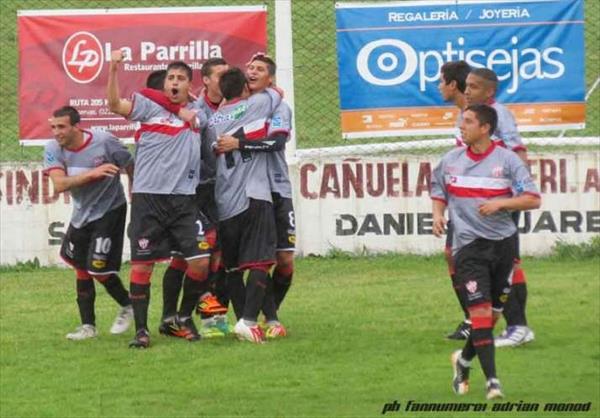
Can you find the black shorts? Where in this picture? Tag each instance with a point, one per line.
(166, 224)
(248, 239)
(484, 270)
(98, 246)
(285, 223)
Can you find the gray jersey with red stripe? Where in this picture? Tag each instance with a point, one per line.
(279, 178)
(242, 175)
(465, 180)
(208, 166)
(167, 157)
(506, 133)
(91, 201)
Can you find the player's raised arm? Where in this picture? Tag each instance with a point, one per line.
(115, 103)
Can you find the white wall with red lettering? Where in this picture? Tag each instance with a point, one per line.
(355, 203)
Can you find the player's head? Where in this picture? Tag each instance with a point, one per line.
(260, 72)
(233, 84)
(211, 72)
(453, 79)
(479, 122)
(64, 124)
(178, 81)
(481, 86)
(156, 80)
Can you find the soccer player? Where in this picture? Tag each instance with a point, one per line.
(481, 184)
(212, 311)
(260, 73)
(453, 77)
(164, 215)
(482, 85)
(87, 164)
(244, 200)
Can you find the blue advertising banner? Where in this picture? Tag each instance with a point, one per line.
(390, 54)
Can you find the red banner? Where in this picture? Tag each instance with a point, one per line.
(64, 56)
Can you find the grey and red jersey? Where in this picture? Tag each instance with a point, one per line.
(208, 167)
(506, 133)
(279, 178)
(93, 200)
(167, 157)
(242, 175)
(465, 180)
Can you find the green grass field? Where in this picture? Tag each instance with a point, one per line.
(363, 332)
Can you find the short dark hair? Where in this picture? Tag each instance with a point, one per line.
(180, 65)
(156, 80)
(208, 65)
(69, 111)
(232, 83)
(456, 71)
(271, 66)
(485, 115)
(486, 74)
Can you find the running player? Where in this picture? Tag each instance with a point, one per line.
(87, 164)
(480, 184)
(243, 194)
(164, 214)
(453, 77)
(482, 85)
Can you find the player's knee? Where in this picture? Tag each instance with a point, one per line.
(481, 316)
(178, 264)
(141, 273)
(198, 269)
(82, 275)
(285, 263)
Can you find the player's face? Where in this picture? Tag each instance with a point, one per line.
(447, 90)
(212, 82)
(471, 129)
(177, 85)
(258, 76)
(478, 90)
(63, 131)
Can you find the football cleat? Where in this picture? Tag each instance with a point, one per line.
(462, 332)
(180, 329)
(83, 332)
(122, 321)
(514, 336)
(249, 333)
(141, 339)
(494, 391)
(275, 331)
(209, 329)
(209, 305)
(223, 324)
(460, 380)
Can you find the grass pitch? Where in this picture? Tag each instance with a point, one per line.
(363, 332)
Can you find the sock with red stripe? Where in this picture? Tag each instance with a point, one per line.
(514, 309)
(86, 296)
(140, 300)
(194, 285)
(483, 342)
(255, 294)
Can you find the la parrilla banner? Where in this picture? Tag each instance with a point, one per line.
(390, 54)
(64, 56)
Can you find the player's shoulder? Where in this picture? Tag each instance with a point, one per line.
(455, 153)
(52, 147)
(101, 135)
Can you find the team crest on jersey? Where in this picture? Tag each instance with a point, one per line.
(471, 286)
(50, 157)
(276, 122)
(497, 171)
(82, 57)
(143, 243)
(99, 264)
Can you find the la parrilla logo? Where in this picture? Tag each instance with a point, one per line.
(82, 57)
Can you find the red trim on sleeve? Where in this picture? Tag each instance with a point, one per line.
(280, 131)
(520, 148)
(47, 171)
(439, 199)
(539, 196)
